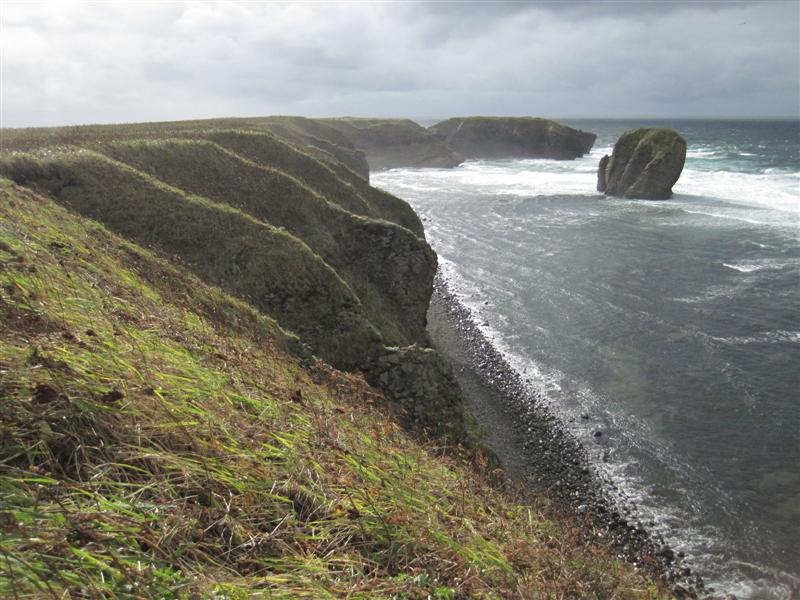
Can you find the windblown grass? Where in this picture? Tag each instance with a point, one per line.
(367, 254)
(307, 149)
(332, 180)
(251, 259)
(158, 442)
(322, 142)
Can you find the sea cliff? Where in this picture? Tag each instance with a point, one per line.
(513, 137)
(402, 143)
(218, 379)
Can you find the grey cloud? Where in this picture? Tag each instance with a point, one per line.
(121, 62)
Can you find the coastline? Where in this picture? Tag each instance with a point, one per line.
(535, 449)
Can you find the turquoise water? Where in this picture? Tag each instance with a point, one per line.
(675, 325)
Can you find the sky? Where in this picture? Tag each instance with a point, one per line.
(101, 62)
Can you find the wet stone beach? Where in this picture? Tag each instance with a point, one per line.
(534, 446)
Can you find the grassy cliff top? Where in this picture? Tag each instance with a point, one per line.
(159, 441)
(325, 143)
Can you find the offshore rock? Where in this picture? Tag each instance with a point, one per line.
(645, 164)
(513, 137)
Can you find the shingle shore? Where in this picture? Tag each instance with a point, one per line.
(535, 447)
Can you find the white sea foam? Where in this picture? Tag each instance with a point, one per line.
(744, 268)
(765, 220)
(760, 266)
(621, 476)
(767, 198)
(777, 191)
(702, 153)
(769, 337)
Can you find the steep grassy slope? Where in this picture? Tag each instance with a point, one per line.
(158, 442)
(288, 149)
(388, 267)
(324, 141)
(335, 182)
(252, 259)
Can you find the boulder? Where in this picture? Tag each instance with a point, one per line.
(513, 137)
(645, 163)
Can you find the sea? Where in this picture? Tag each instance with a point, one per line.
(674, 326)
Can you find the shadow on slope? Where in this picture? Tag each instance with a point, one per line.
(389, 268)
(256, 261)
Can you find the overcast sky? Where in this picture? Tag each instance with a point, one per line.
(101, 62)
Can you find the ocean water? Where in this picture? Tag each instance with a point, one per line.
(674, 325)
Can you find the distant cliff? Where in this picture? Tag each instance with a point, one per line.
(402, 143)
(513, 137)
(391, 143)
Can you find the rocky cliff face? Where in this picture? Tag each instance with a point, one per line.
(513, 137)
(645, 163)
(425, 388)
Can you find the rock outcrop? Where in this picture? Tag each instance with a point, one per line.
(423, 385)
(395, 143)
(645, 163)
(513, 137)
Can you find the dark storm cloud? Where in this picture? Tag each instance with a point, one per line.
(122, 62)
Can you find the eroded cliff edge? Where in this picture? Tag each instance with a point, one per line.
(341, 265)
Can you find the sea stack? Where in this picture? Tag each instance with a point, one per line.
(645, 164)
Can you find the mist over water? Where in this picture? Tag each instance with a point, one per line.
(674, 325)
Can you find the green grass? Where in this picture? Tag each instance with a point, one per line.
(262, 264)
(302, 147)
(159, 442)
(332, 180)
(499, 137)
(308, 149)
(325, 143)
(166, 432)
(366, 253)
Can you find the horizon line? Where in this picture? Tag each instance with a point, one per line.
(432, 118)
